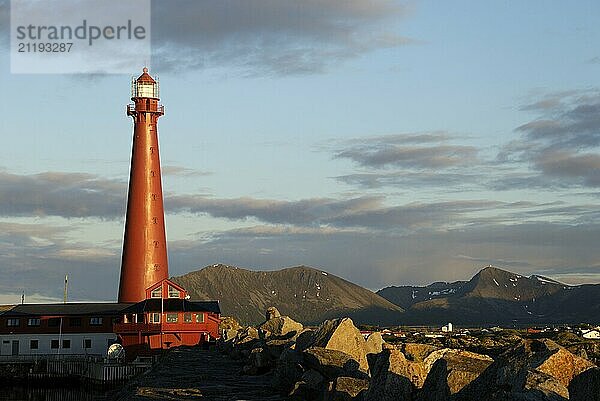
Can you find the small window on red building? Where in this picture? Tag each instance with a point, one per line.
(171, 317)
(75, 321)
(200, 318)
(14, 322)
(156, 293)
(95, 321)
(173, 292)
(34, 321)
(187, 318)
(54, 322)
(155, 318)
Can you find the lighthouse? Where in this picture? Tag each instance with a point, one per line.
(144, 260)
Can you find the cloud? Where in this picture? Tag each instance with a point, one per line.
(408, 151)
(183, 171)
(271, 37)
(61, 194)
(560, 146)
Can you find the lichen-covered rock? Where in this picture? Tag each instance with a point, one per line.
(348, 388)
(393, 377)
(585, 386)
(374, 343)
(271, 312)
(449, 371)
(340, 335)
(280, 326)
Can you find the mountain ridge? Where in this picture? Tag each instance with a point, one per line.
(492, 296)
(307, 294)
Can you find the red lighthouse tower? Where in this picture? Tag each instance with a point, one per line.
(144, 260)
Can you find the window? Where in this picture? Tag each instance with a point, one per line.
(35, 321)
(66, 343)
(13, 322)
(87, 343)
(155, 318)
(187, 318)
(200, 318)
(54, 322)
(173, 292)
(171, 317)
(34, 344)
(54, 344)
(156, 293)
(75, 321)
(95, 321)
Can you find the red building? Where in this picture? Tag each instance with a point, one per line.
(167, 318)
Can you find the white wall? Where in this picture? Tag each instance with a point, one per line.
(100, 343)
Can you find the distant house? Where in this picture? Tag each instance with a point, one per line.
(447, 328)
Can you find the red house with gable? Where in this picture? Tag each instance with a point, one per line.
(167, 318)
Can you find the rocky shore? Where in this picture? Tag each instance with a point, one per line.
(282, 360)
(335, 362)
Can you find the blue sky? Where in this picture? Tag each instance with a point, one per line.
(386, 142)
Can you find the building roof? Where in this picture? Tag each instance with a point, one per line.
(173, 305)
(73, 308)
(145, 77)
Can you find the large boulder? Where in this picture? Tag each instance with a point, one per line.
(332, 363)
(585, 386)
(393, 377)
(341, 335)
(449, 371)
(531, 370)
(281, 326)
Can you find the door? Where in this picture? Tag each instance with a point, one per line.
(15, 347)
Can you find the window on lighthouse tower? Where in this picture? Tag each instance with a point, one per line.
(145, 89)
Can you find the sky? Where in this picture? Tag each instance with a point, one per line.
(386, 142)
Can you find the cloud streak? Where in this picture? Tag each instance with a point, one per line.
(271, 37)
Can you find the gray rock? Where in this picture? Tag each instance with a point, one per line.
(531, 370)
(585, 386)
(449, 371)
(309, 387)
(341, 335)
(282, 326)
(393, 377)
(288, 370)
(332, 363)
